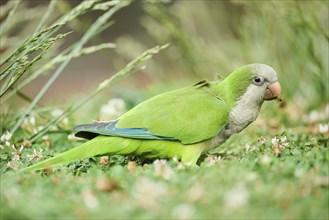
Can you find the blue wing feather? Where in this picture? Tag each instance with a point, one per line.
(90, 131)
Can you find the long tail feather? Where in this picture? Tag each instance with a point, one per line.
(97, 146)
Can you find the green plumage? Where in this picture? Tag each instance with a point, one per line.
(181, 123)
(180, 114)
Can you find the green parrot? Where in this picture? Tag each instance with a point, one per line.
(183, 123)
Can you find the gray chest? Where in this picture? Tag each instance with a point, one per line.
(240, 117)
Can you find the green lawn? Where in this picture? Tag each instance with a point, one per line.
(248, 177)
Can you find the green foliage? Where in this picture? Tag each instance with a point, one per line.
(254, 182)
(291, 36)
(275, 169)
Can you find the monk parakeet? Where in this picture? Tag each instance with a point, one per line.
(183, 123)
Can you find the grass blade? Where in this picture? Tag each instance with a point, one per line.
(82, 8)
(95, 26)
(58, 59)
(11, 13)
(24, 66)
(46, 15)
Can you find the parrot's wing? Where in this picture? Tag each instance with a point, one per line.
(190, 115)
(90, 131)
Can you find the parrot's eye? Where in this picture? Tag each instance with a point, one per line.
(257, 80)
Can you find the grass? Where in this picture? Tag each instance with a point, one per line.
(257, 183)
(277, 168)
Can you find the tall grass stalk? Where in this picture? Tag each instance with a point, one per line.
(10, 14)
(17, 63)
(24, 64)
(57, 60)
(86, 37)
(44, 18)
(39, 37)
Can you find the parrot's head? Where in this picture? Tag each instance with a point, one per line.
(254, 83)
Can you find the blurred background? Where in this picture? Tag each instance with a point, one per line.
(208, 40)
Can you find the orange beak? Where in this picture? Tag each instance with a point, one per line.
(273, 91)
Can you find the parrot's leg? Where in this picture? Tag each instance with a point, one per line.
(191, 154)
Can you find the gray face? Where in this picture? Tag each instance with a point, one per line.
(264, 86)
(264, 77)
(265, 73)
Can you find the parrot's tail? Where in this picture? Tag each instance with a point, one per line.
(94, 147)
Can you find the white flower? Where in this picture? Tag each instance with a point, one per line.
(112, 109)
(16, 157)
(252, 176)
(72, 137)
(237, 197)
(274, 140)
(188, 164)
(284, 142)
(212, 160)
(261, 140)
(250, 148)
(318, 115)
(313, 116)
(65, 121)
(247, 147)
(37, 155)
(38, 129)
(13, 165)
(179, 164)
(195, 193)
(6, 136)
(106, 184)
(17, 153)
(56, 112)
(323, 128)
(148, 193)
(15, 150)
(161, 169)
(90, 199)
(131, 167)
(104, 160)
(299, 172)
(280, 142)
(183, 211)
(265, 160)
(32, 120)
